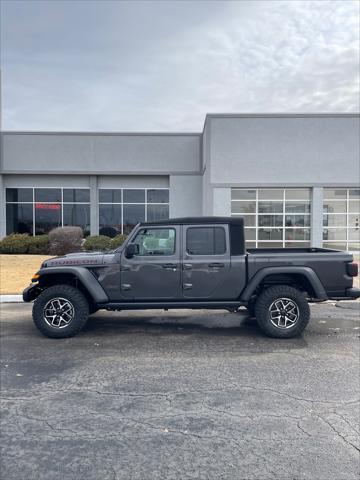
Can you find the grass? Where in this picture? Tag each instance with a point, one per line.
(16, 272)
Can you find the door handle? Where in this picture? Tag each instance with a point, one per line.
(187, 266)
(216, 265)
(169, 265)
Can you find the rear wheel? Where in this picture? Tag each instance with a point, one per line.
(60, 311)
(282, 311)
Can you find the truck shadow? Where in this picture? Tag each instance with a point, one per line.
(232, 325)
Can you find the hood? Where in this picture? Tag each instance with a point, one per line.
(77, 259)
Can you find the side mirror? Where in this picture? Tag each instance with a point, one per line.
(131, 250)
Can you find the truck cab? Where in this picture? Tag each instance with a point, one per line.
(182, 262)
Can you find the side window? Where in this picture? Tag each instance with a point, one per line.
(156, 241)
(205, 241)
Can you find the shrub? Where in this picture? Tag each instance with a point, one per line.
(97, 242)
(15, 243)
(38, 245)
(63, 240)
(117, 241)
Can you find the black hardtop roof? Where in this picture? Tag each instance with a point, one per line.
(197, 221)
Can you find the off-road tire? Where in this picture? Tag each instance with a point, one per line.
(80, 309)
(266, 299)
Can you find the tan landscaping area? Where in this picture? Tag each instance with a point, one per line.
(16, 272)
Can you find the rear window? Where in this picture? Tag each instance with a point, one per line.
(205, 241)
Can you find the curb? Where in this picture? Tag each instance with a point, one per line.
(11, 299)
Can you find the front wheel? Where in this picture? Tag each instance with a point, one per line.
(282, 311)
(60, 311)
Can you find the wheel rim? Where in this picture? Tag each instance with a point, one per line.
(284, 313)
(58, 312)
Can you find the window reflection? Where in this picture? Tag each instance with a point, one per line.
(47, 217)
(19, 218)
(133, 214)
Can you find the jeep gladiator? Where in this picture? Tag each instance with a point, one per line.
(191, 263)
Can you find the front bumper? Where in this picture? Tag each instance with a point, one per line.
(31, 292)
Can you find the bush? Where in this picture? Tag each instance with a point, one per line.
(16, 243)
(117, 241)
(97, 243)
(38, 245)
(63, 240)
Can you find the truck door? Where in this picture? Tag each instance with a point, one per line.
(154, 273)
(206, 262)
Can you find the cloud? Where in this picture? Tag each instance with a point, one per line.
(150, 66)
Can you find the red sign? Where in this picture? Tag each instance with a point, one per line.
(47, 206)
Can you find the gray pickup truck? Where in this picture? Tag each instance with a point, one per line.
(190, 263)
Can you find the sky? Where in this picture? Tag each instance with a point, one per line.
(162, 65)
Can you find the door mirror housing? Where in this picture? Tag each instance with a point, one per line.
(131, 250)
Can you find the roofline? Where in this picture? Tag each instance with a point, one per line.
(275, 114)
(117, 134)
(208, 116)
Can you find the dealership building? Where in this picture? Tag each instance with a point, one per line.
(294, 178)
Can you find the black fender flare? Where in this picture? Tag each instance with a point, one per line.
(306, 272)
(88, 280)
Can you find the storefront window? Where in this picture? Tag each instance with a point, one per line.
(47, 217)
(19, 218)
(19, 195)
(110, 219)
(76, 195)
(48, 195)
(38, 210)
(341, 218)
(133, 214)
(121, 209)
(77, 214)
(273, 217)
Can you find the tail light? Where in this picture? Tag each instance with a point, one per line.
(352, 269)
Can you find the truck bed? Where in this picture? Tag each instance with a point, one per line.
(329, 265)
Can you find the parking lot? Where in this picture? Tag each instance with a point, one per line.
(180, 395)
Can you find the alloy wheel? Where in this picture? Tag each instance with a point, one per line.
(59, 312)
(284, 313)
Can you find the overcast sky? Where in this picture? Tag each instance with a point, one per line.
(162, 65)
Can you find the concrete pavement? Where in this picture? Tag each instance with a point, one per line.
(180, 395)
